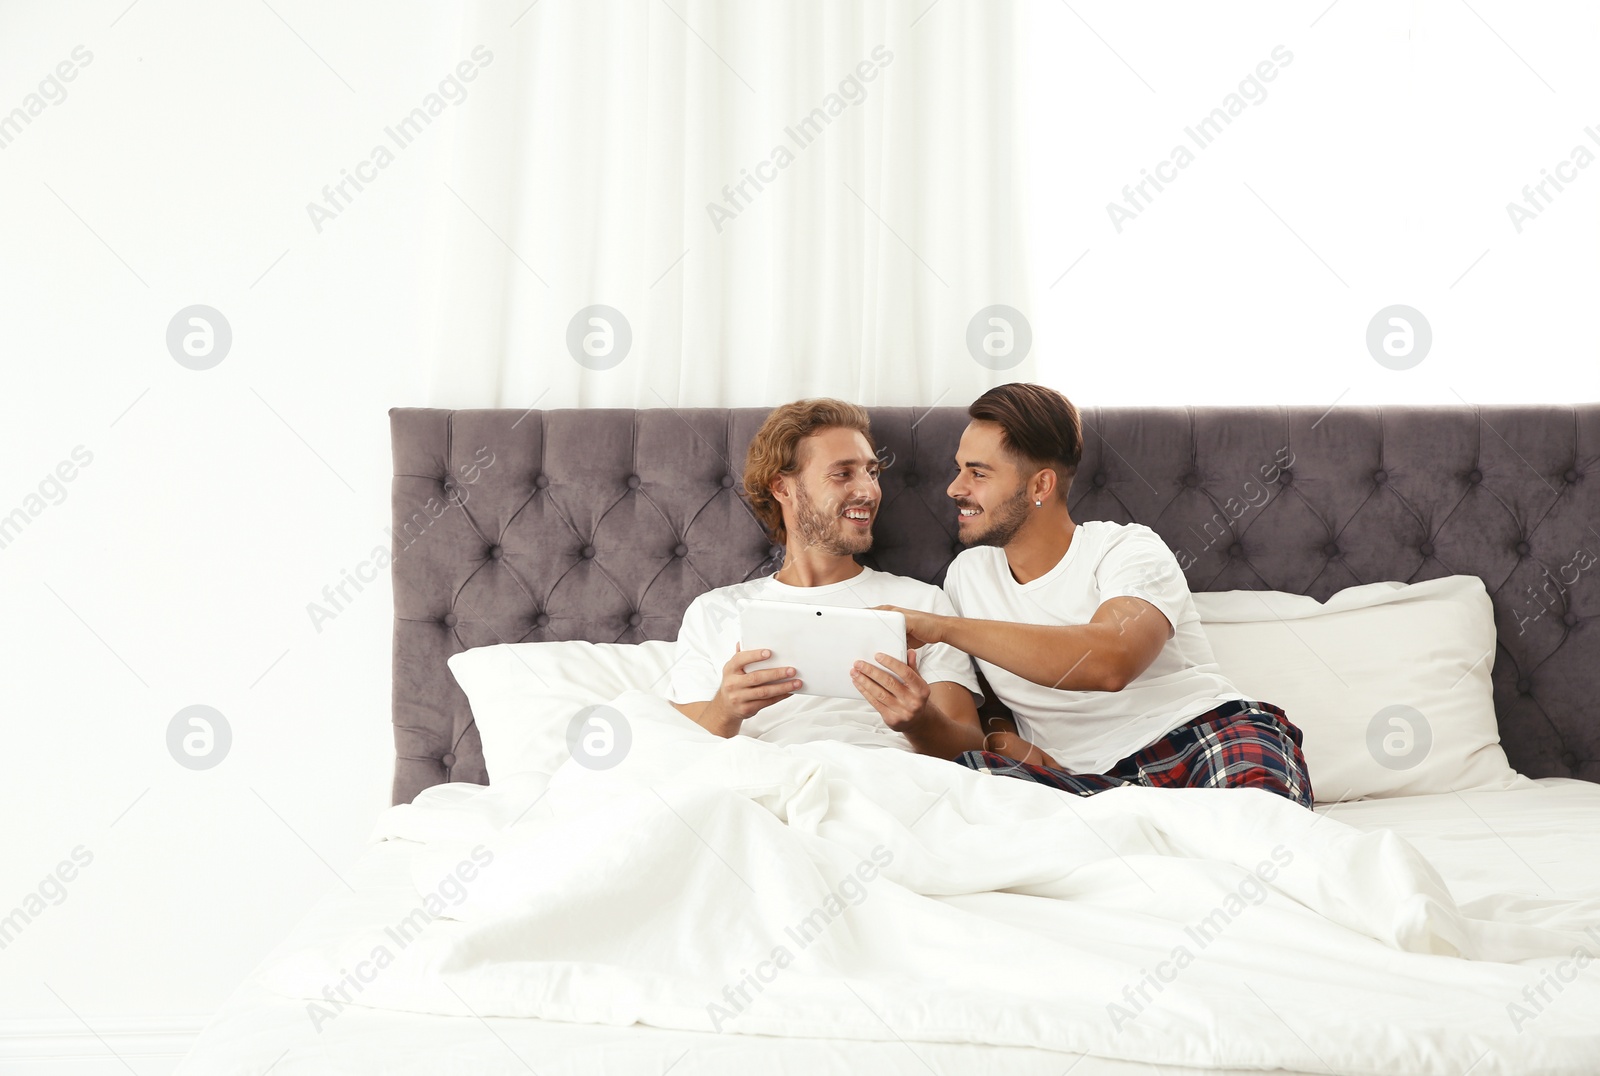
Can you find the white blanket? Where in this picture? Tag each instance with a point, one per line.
(830, 890)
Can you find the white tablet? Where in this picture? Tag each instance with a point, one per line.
(821, 642)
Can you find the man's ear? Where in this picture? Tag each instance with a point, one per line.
(1043, 485)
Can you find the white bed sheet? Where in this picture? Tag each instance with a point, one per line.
(1540, 841)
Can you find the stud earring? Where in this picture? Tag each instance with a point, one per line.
(1038, 504)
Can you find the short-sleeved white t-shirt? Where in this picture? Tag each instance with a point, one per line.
(710, 636)
(1089, 731)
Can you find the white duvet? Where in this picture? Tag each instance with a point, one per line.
(836, 891)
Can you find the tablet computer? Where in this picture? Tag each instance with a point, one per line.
(821, 642)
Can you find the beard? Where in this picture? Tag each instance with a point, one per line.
(826, 530)
(1005, 520)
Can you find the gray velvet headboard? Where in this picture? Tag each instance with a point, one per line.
(603, 524)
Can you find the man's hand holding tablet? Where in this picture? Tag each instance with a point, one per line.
(744, 692)
(847, 653)
(895, 688)
(844, 653)
(824, 642)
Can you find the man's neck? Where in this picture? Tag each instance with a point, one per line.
(807, 566)
(1039, 546)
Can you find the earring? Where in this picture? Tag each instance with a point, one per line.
(1038, 504)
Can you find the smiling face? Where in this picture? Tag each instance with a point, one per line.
(831, 501)
(990, 488)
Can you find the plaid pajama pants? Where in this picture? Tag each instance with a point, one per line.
(1238, 745)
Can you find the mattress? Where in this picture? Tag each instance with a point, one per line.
(1540, 841)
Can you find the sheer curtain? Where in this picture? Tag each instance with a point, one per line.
(719, 203)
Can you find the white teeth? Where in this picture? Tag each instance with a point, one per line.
(856, 513)
(968, 512)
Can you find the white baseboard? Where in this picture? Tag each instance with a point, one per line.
(64, 1047)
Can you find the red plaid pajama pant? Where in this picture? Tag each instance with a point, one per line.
(1240, 744)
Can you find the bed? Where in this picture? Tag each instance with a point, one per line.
(601, 525)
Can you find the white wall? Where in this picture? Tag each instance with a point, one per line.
(1389, 145)
(218, 503)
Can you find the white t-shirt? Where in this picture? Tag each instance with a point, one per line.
(710, 636)
(1089, 731)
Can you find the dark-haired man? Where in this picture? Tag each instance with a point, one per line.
(1088, 632)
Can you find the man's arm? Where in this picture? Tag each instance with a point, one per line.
(995, 715)
(1013, 746)
(1120, 641)
(1000, 732)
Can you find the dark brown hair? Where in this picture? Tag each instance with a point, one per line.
(1038, 425)
(775, 450)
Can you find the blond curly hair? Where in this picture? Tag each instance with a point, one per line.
(775, 450)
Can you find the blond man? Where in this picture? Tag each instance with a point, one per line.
(811, 478)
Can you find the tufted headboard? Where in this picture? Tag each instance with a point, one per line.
(603, 524)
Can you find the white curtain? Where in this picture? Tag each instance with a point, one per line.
(771, 200)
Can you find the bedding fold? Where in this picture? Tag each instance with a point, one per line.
(831, 890)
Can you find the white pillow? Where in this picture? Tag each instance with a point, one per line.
(525, 695)
(1389, 681)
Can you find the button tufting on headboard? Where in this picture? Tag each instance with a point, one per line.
(593, 513)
